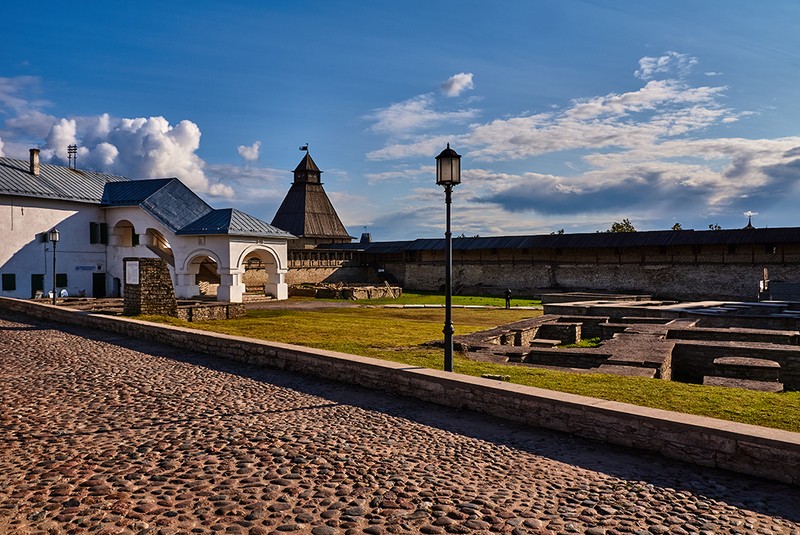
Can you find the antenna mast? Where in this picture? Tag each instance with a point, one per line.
(72, 156)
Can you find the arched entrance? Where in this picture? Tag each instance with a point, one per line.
(199, 276)
(263, 273)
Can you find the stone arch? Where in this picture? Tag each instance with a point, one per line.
(124, 234)
(263, 272)
(199, 274)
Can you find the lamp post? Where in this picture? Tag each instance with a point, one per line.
(53, 236)
(448, 174)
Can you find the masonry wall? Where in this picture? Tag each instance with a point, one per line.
(679, 281)
(316, 275)
(153, 293)
(748, 449)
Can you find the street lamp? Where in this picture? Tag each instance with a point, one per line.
(448, 174)
(53, 236)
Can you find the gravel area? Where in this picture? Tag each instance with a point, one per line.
(104, 434)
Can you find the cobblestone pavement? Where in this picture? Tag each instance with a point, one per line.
(102, 434)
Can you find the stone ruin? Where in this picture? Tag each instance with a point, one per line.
(346, 291)
(744, 345)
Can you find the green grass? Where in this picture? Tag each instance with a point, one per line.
(433, 298)
(396, 334)
(585, 342)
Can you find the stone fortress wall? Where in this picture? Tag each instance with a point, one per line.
(686, 273)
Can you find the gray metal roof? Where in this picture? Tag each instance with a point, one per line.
(53, 182)
(233, 222)
(167, 199)
(597, 240)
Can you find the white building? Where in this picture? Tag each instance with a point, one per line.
(104, 218)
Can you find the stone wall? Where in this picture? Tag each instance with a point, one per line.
(768, 453)
(148, 288)
(207, 312)
(678, 281)
(316, 275)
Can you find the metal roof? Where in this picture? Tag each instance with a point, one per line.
(53, 181)
(597, 240)
(167, 199)
(233, 222)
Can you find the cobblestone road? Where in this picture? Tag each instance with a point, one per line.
(103, 434)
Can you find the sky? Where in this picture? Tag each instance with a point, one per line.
(568, 114)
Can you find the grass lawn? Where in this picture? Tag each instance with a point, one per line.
(395, 334)
(431, 298)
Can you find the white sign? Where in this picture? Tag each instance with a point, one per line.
(132, 272)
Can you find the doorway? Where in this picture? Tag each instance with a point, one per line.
(98, 285)
(37, 285)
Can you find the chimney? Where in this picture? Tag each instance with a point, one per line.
(35, 162)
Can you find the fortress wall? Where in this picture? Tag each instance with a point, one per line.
(317, 275)
(679, 281)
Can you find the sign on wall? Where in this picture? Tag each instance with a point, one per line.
(132, 272)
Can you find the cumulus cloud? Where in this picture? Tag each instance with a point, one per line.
(249, 153)
(138, 148)
(670, 63)
(457, 84)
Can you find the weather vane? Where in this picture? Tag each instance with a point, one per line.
(305, 148)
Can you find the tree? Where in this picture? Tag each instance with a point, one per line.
(714, 226)
(624, 226)
(677, 226)
(559, 231)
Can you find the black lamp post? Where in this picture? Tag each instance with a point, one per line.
(448, 174)
(53, 236)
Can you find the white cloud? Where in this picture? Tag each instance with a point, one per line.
(457, 84)
(402, 175)
(249, 153)
(671, 62)
(1, 146)
(426, 147)
(642, 154)
(416, 113)
(138, 148)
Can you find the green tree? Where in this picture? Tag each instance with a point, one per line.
(677, 226)
(624, 226)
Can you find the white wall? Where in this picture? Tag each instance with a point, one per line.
(22, 219)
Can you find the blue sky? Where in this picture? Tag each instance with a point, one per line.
(568, 114)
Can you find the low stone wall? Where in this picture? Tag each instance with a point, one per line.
(768, 453)
(205, 312)
(354, 292)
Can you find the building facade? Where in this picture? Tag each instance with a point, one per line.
(104, 218)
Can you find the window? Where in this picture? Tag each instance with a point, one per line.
(134, 239)
(662, 250)
(61, 280)
(98, 233)
(9, 282)
(732, 248)
(770, 249)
